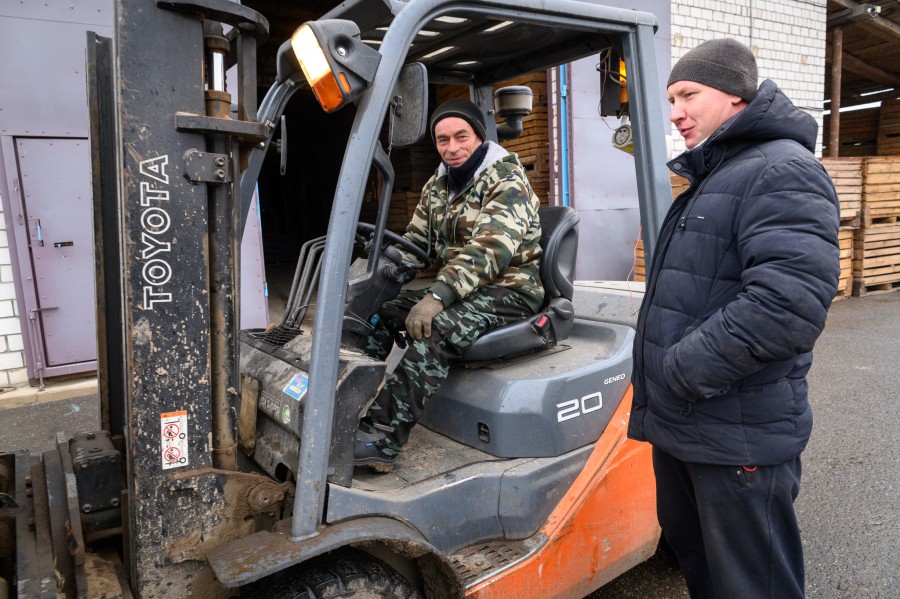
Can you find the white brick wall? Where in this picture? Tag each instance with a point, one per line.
(786, 36)
(12, 355)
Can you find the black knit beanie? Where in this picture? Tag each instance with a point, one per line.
(463, 109)
(724, 64)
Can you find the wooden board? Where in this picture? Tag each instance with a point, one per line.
(845, 243)
(889, 128)
(638, 270)
(859, 132)
(847, 175)
(679, 186)
(876, 258)
(881, 190)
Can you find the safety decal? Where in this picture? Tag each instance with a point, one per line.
(174, 439)
(297, 387)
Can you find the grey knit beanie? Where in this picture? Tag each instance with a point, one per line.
(724, 64)
(463, 109)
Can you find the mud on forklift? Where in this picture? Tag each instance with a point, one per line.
(225, 467)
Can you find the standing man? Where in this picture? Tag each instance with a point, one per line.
(737, 295)
(479, 217)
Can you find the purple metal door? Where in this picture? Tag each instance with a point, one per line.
(56, 192)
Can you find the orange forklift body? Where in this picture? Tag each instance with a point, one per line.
(589, 543)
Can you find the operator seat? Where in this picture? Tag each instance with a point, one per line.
(553, 322)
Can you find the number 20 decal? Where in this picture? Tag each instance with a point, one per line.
(574, 408)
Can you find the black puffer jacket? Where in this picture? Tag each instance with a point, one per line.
(746, 268)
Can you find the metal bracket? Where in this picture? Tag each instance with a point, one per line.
(206, 167)
(236, 15)
(247, 131)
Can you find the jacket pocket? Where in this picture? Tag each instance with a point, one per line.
(674, 378)
(763, 404)
(666, 405)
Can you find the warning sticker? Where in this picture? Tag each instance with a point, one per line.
(297, 387)
(173, 439)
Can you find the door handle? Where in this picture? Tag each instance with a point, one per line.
(36, 233)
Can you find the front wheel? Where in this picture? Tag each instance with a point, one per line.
(346, 573)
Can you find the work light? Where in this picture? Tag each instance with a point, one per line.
(337, 65)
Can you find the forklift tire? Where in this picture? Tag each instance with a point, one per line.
(343, 573)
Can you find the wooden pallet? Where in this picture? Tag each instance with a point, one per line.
(639, 270)
(403, 204)
(881, 190)
(847, 175)
(876, 258)
(845, 243)
(414, 166)
(679, 186)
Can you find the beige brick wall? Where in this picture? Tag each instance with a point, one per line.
(12, 354)
(786, 36)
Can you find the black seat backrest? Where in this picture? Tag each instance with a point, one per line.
(555, 319)
(559, 241)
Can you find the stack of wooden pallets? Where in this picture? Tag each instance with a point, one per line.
(876, 244)
(403, 204)
(869, 237)
(533, 145)
(847, 174)
(414, 166)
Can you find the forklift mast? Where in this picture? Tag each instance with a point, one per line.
(173, 188)
(176, 159)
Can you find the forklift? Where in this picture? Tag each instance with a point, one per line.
(225, 463)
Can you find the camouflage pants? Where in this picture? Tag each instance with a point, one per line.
(423, 369)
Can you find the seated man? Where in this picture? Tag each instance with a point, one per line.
(479, 216)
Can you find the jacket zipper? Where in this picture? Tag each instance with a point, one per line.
(682, 224)
(686, 214)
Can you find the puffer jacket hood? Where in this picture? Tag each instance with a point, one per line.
(771, 116)
(737, 293)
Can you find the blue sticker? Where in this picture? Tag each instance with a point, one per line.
(297, 387)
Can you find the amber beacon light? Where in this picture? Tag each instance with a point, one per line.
(337, 65)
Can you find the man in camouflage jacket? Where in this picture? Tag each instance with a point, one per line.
(478, 216)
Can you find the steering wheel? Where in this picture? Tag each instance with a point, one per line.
(406, 244)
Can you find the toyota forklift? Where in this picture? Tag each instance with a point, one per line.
(225, 463)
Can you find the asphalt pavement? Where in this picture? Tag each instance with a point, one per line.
(848, 504)
(30, 419)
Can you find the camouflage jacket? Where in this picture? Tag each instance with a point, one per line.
(489, 234)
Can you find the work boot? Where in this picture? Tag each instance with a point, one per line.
(368, 453)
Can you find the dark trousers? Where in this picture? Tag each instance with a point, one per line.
(733, 528)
